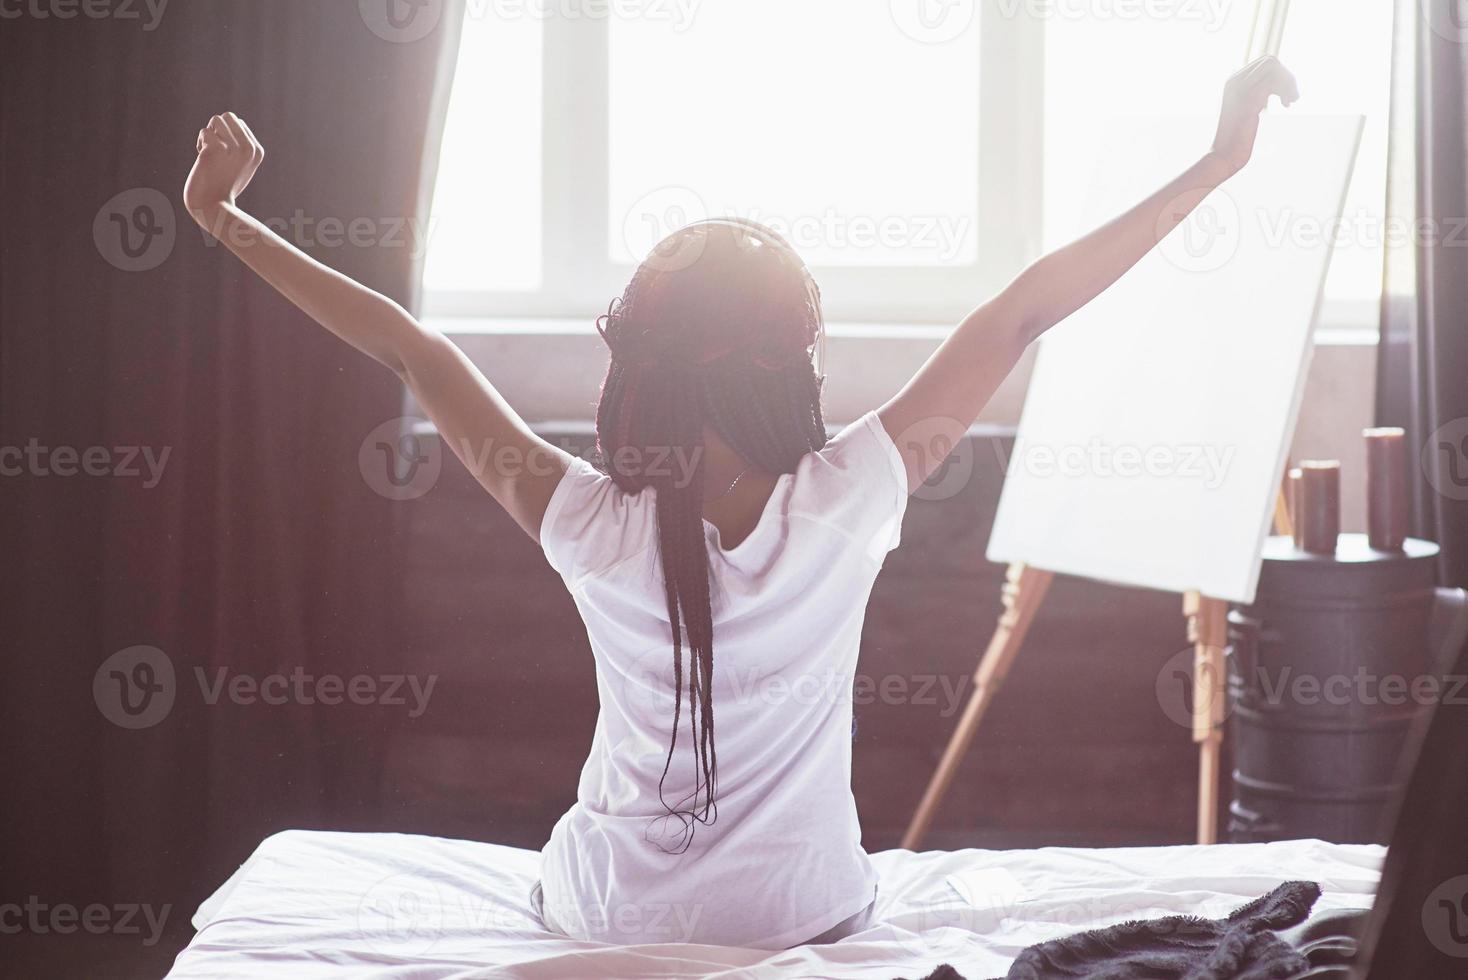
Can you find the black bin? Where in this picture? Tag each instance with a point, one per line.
(1327, 671)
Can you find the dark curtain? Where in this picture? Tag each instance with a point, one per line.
(255, 546)
(1419, 925)
(1422, 368)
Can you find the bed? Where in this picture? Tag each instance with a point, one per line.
(318, 904)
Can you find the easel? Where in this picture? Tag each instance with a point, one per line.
(1206, 618)
(1024, 590)
(1021, 595)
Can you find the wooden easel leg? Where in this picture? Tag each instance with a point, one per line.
(1024, 588)
(1284, 523)
(1207, 631)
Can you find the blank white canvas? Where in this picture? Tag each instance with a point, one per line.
(1158, 419)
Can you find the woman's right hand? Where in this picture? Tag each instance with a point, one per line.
(228, 156)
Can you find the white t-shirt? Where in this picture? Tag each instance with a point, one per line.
(783, 861)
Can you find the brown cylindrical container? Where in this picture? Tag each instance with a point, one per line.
(1386, 488)
(1318, 520)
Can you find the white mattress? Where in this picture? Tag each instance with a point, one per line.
(311, 905)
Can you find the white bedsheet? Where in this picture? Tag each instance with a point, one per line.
(313, 905)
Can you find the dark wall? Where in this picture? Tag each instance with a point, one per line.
(1078, 748)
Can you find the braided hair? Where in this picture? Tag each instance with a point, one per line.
(717, 328)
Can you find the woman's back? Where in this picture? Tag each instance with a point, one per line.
(783, 861)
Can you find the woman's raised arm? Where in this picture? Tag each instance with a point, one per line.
(934, 410)
(519, 469)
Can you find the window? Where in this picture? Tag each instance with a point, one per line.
(485, 232)
(1098, 67)
(1351, 74)
(917, 152)
(879, 135)
(813, 139)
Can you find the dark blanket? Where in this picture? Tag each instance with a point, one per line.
(1241, 947)
(1244, 946)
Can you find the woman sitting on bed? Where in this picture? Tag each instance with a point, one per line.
(722, 555)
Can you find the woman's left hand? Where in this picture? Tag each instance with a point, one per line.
(1244, 98)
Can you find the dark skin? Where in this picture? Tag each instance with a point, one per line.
(925, 419)
(735, 512)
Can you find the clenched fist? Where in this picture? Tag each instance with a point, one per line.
(228, 156)
(1244, 97)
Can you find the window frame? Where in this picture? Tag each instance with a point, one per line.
(579, 277)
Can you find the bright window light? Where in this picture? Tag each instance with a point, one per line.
(486, 231)
(1098, 68)
(1342, 56)
(824, 121)
(854, 131)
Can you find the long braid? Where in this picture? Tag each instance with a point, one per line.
(686, 582)
(723, 343)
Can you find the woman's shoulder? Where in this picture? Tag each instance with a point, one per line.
(591, 522)
(861, 455)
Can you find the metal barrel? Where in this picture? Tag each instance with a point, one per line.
(1327, 671)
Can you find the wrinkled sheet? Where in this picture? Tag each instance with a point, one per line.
(316, 904)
